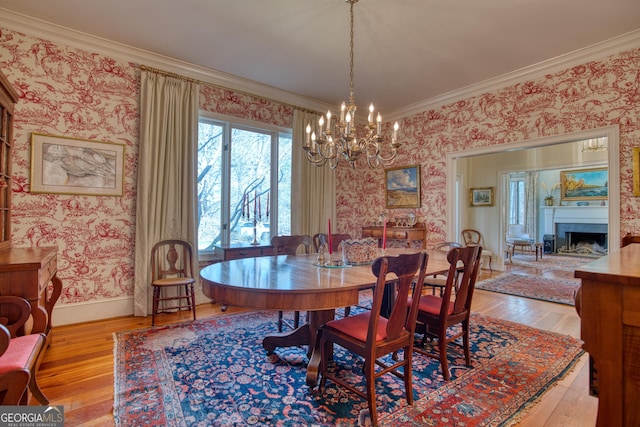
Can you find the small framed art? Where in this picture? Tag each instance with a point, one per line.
(481, 196)
(65, 165)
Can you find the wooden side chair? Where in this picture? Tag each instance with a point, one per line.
(323, 239)
(436, 314)
(290, 245)
(473, 237)
(19, 355)
(373, 336)
(439, 281)
(172, 270)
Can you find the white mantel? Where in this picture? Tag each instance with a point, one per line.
(573, 215)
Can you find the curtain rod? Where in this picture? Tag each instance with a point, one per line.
(192, 80)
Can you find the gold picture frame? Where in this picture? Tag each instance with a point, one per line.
(636, 171)
(63, 165)
(584, 184)
(402, 187)
(481, 196)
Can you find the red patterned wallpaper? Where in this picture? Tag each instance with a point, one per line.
(72, 92)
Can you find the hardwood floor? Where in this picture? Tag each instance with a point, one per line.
(77, 370)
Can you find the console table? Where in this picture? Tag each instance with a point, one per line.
(27, 272)
(609, 307)
(409, 234)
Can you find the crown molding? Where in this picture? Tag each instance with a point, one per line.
(596, 51)
(80, 40)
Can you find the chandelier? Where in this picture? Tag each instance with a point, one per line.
(334, 138)
(595, 144)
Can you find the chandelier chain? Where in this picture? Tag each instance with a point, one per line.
(351, 91)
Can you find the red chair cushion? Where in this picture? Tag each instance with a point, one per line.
(431, 304)
(18, 353)
(356, 326)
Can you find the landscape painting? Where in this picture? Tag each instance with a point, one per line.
(585, 184)
(403, 187)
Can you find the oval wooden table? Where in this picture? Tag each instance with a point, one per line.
(294, 283)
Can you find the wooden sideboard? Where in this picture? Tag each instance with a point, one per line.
(609, 307)
(27, 272)
(409, 234)
(242, 250)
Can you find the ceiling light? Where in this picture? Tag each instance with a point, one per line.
(335, 137)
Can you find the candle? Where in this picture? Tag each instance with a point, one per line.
(379, 120)
(395, 132)
(268, 203)
(255, 201)
(328, 121)
(307, 141)
(259, 208)
(342, 108)
(370, 117)
(329, 237)
(384, 235)
(244, 203)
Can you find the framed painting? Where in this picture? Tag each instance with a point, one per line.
(63, 165)
(584, 184)
(636, 171)
(481, 196)
(403, 187)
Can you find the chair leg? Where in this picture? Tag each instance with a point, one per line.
(156, 302)
(193, 300)
(280, 321)
(444, 363)
(408, 363)
(369, 373)
(465, 343)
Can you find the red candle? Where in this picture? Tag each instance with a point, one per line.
(259, 208)
(268, 202)
(330, 250)
(384, 236)
(255, 204)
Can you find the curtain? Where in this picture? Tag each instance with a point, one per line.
(166, 206)
(313, 188)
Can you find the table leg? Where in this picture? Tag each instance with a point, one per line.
(304, 335)
(317, 319)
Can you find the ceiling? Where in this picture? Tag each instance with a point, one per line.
(406, 51)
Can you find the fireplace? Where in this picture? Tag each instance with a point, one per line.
(582, 238)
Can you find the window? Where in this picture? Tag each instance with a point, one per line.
(517, 199)
(244, 183)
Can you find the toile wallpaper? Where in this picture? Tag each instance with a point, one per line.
(85, 94)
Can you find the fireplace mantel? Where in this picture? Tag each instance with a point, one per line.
(573, 214)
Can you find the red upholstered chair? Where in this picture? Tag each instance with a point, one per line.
(19, 355)
(172, 267)
(439, 281)
(290, 245)
(436, 314)
(372, 336)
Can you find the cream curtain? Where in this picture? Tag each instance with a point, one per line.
(316, 187)
(167, 167)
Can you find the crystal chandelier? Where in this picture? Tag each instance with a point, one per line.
(333, 138)
(595, 144)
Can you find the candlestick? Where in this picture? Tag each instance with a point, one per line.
(329, 238)
(384, 235)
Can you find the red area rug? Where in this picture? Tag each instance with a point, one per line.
(214, 372)
(536, 287)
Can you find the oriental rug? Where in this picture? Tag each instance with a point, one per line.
(214, 372)
(536, 287)
(550, 261)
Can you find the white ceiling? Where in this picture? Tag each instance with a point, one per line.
(406, 51)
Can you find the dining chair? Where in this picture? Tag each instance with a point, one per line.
(473, 237)
(19, 355)
(372, 336)
(437, 314)
(290, 245)
(439, 280)
(323, 239)
(172, 277)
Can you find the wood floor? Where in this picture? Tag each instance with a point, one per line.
(77, 370)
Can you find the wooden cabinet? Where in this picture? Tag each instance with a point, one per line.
(409, 234)
(27, 273)
(609, 307)
(242, 250)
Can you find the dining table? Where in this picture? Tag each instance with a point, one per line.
(297, 283)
